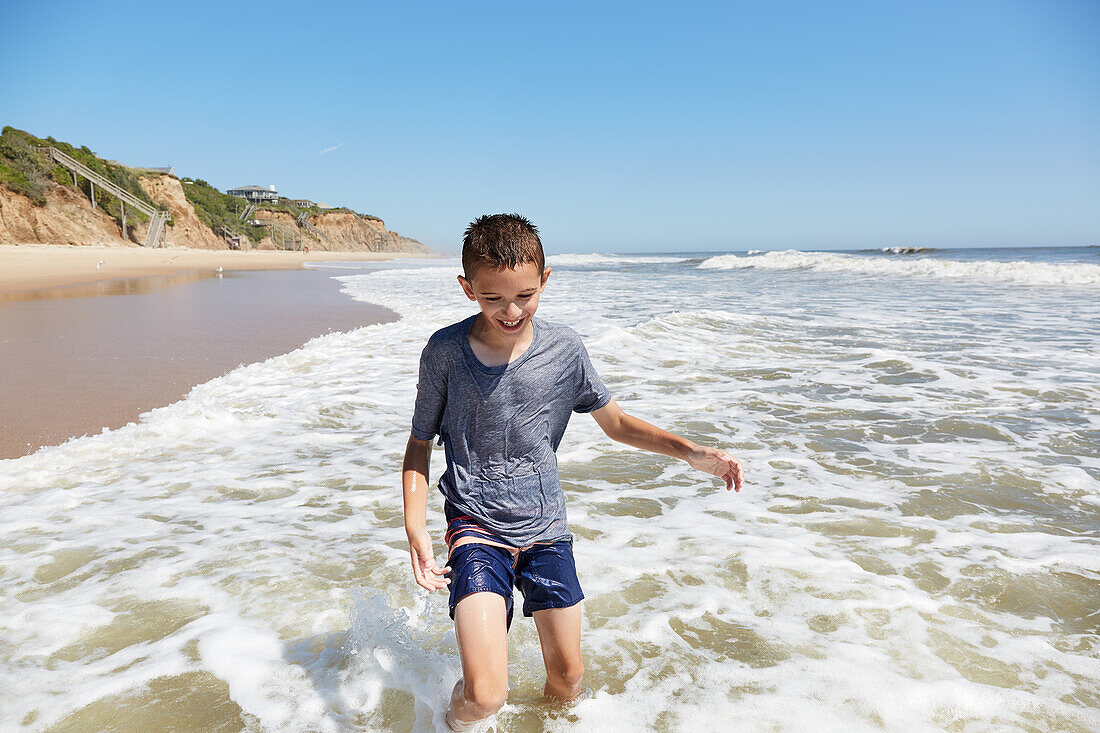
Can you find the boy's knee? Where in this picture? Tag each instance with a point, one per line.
(486, 697)
(568, 678)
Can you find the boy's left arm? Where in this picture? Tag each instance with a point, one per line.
(628, 429)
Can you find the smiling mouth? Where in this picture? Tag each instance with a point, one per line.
(511, 324)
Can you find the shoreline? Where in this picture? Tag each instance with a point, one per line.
(85, 354)
(26, 268)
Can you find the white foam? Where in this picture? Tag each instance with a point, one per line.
(1035, 273)
(907, 250)
(596, 259)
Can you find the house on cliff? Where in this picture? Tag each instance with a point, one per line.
(256, 194)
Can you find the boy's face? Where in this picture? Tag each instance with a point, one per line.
(508, 296)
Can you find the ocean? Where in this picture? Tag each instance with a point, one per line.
(917, 547)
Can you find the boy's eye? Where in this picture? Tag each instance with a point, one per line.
(492, 299)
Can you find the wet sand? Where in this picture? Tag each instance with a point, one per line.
(77, 359)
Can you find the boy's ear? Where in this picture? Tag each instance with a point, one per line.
(467, 287)
(545, 277)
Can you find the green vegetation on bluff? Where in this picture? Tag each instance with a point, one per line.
(222, 212)
(25, 170)
(314, 210)
(219, 211)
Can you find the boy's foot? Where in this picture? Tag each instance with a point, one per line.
(459, 726)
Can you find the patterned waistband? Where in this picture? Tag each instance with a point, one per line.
(460, 527)
(463, 526)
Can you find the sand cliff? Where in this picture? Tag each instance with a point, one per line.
(346, 231)
(186, 228)
(68, 217)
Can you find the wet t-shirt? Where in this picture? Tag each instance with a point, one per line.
(500, 426)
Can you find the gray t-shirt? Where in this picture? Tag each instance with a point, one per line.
(501, 425)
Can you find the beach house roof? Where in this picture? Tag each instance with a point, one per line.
(255, 193)
(265, 189)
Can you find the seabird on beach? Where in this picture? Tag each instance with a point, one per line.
(101, 263)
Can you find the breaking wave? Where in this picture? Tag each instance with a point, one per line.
(903, 250)
(1033, 273)
(578, 260)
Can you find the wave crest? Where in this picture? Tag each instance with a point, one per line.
(1033, 273)
(903, 250)
(580, 260)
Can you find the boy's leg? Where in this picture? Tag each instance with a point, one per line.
(481, 628)
(547, 575)
(560, 638)
(481, 606)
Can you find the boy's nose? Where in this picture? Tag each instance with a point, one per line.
(513, 311)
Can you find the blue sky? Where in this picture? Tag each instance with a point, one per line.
(614, 126)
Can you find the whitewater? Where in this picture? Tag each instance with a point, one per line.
(917, 548)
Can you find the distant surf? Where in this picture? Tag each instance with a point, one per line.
(597, 259)
(1033, 273)
(902, 250)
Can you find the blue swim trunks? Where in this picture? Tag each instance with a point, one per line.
(545, 573)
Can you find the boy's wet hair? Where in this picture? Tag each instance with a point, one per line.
(498, 241)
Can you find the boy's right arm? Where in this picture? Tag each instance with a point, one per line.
(414, 488)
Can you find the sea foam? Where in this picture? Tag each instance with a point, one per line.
(588, 260)
(1033, 273)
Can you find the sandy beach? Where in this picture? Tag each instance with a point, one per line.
(27, 267)
(83, 349)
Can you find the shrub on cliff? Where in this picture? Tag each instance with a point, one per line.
(219, 210)
(20, 167)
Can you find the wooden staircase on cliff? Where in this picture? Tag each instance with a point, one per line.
(158, 232)
(283, 235)
(303, 221)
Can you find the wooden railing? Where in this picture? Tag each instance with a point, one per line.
(157, 218)
(303, 221)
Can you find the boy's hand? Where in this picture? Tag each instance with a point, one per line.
(427, 574)
(718, 463)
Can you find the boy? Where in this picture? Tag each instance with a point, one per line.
(498, 388)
